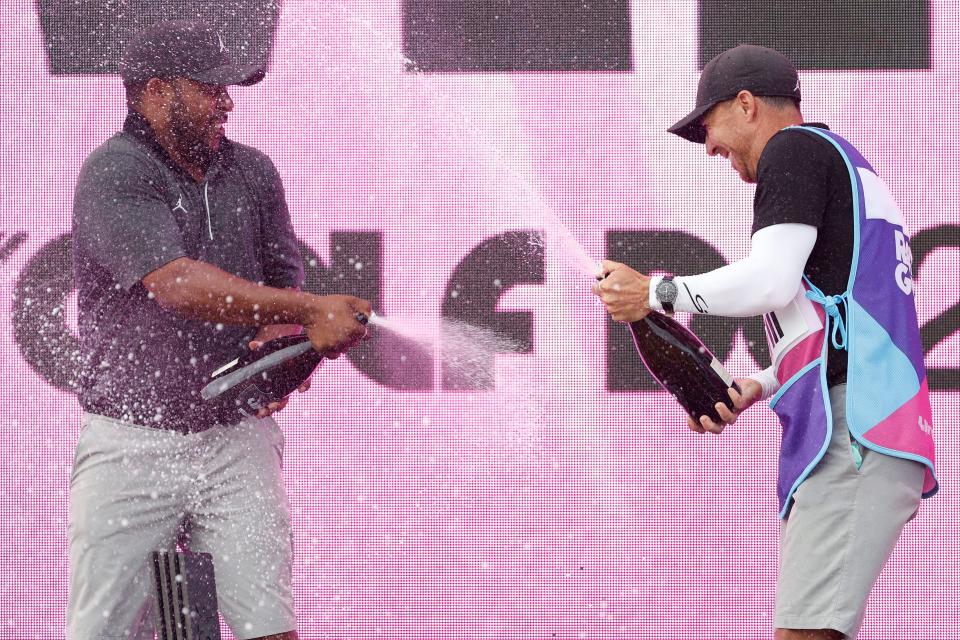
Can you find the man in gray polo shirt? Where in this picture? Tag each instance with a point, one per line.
(184, 255)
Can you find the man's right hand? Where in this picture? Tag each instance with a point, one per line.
(333, 326)
(624, 291)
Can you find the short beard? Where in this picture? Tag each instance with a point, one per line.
(195, 149)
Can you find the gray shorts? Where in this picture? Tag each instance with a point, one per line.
(132, 488)
(841, 529)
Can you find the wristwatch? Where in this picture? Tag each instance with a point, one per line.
(666, 293)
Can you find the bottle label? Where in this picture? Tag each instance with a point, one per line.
(788, 330)
(720, 371)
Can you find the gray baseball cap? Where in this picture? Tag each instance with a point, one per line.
(759, 70)
(183, 49)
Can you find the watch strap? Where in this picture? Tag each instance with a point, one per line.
(666, 304)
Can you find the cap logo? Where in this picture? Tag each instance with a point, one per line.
(797, 88)
(223, 47)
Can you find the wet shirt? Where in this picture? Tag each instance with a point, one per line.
(802, 178)
(135, 211)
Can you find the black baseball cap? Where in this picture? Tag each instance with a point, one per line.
(183, 49)
(759, 70)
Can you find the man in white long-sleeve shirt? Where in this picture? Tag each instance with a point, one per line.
(844, 510)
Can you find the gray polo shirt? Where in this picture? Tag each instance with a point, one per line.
(135, 211)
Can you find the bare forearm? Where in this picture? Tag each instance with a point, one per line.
(202, 291)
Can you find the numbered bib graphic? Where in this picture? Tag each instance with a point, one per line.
(793, 335)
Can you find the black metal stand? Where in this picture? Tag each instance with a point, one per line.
(186, 596)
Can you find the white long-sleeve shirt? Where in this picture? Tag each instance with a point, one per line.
(764, 281)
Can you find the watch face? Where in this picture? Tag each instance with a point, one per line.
(667, 291)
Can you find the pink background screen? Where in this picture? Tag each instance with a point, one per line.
(548, 506)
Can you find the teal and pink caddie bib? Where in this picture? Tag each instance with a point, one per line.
(888, 404)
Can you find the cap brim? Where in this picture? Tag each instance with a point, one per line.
(690, 127)
(231, 75)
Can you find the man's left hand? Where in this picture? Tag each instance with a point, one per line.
(750, 392)
(264, 335)
(625, 292)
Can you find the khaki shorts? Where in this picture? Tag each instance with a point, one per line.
(131, 490)
(841, 529)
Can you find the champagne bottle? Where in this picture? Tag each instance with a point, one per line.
(679, 361)
(254, 379)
